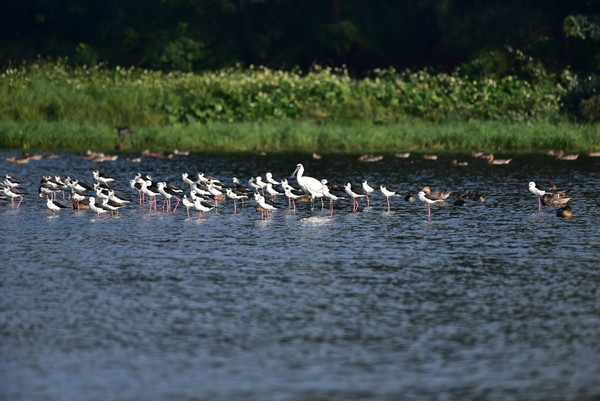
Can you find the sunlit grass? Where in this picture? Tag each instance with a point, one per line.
(304, 136)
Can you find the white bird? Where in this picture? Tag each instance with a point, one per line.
(201, 207)
(187, 203)
(270, 179)
(232, 195)
(110, 206)
(101, 178)
(353, 195)
(428, 200)
(54, 206)
(310, 185)
(388, 194)
(261, 184)
(292, 197)
(327, 194)
(264, 207)
(272, 191)
(96, 208)
(12, 194)
(151, 190)
(537, 192)
(368, 189)
(187, 180)
(168, 194)
(254, 185)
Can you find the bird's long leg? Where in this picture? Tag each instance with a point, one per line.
(388, 202)
(539, 204)
(428, 212)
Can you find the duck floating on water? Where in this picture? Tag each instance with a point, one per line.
(565, 212)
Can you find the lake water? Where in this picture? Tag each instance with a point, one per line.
(491, 301)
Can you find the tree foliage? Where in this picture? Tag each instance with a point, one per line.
(196, 35)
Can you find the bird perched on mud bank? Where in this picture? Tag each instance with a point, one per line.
(122, 131)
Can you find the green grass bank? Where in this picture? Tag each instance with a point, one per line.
(304, 137)
(50, 105)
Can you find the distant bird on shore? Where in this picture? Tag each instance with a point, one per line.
(122, 131)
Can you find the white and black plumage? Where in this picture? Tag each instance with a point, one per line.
(168, 193)
(13, 193)
(537, 192)
(269, 178)
(239, 188)
(272, 191)
(235, 196)
(95, 207)
(437, 195)
(54, 206)
(327, 194)
(368, 189)
(187, 204)
(202, 207)
(354, 196)
(187, 180)
(264, 206)
(11, 182)
(101, 178)
(429, 200)
(151, 190)
(388, 194)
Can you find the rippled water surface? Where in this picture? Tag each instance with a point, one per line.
(492, 301)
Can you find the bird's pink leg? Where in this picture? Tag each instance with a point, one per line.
(388, 202)
(539, 204)
(428, 212)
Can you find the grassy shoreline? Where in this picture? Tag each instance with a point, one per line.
(292, 136)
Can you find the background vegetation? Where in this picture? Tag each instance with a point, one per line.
(181, 63)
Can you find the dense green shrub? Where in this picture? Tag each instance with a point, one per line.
(52, 91)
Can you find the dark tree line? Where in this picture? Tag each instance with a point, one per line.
(196, 35)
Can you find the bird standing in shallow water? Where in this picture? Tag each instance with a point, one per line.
(426, 198)
(368, 189)
(102, 179)
(54, 206)
(310, 185)
(537, 192)
(387, 195)
(354, 196)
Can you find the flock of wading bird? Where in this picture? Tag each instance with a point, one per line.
(206, 193)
